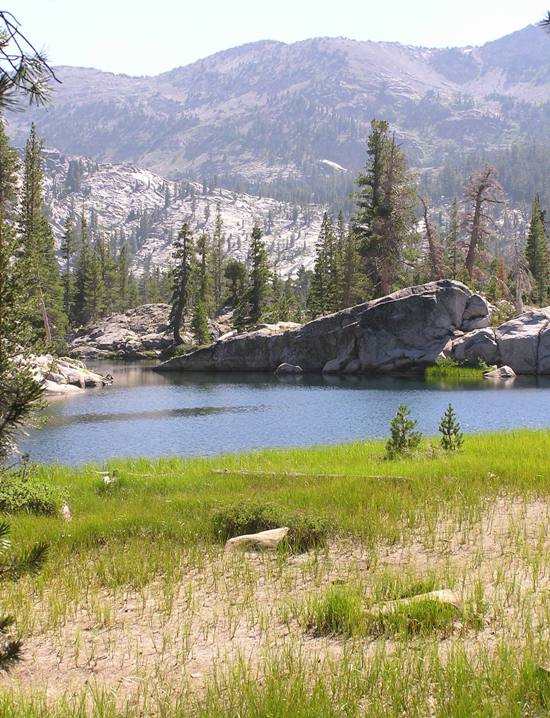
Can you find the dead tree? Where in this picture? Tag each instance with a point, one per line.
(483, 191)
(434, 245)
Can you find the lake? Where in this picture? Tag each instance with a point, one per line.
(188, 414)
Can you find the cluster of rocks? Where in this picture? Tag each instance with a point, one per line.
(63, 376)
(140, 333)
(405, 331)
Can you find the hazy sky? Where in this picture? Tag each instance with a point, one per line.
(139, 37)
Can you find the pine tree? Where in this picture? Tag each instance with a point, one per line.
(482, 192)
(122, 278)
(9, 165)
(352, 279)
(68, 248)
(384, 216)
(536, 253)
(19, 391)
(218, 257)
(37, 250)
(453, 255)
(181, 280)
(449, 428)
(403, 437)
(204, 292)
(199, 323)
(256, 298)
(435, 251)
(84, 277)
(235, 275)
(325, 287)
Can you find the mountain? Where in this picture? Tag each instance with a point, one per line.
(139, 208)
(295, 117)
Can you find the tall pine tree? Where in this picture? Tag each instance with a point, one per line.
(181, 280)
(536, 253)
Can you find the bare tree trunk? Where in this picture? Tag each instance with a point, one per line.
(434, 247)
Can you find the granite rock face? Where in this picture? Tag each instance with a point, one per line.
(524, 342)
(404, 331)
(477, 346)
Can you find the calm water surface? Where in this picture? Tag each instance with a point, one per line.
(149, 414)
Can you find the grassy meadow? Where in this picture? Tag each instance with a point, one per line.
(140, 612)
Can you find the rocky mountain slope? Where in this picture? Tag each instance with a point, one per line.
(297, 115)
(145, 211)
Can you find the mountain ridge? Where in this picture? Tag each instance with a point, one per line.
(268, 113)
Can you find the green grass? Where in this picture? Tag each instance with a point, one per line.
(175, 499)
(451, 371)
(142, 561)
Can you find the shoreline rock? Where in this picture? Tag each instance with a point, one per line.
(64, 376)
(139, 333)
(407, 330)
(404, 332)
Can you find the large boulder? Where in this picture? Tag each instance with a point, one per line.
(406, 330)
(524, 342)
(474, 347)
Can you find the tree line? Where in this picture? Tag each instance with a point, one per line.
(394, 238)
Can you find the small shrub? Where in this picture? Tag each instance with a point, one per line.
(305, 532)
(403, 438)
(248, 517)
(19, 492)
(338, 612)
(451, 435)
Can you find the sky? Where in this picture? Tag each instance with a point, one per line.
(144, 38)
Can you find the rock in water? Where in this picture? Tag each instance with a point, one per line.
(288, 369)
(406, 330)
(260, 541)
(504, 373)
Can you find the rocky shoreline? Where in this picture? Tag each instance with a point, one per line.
(62, 376)
(406, 331)
(140, 333)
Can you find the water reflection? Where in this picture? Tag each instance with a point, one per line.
(60, 420)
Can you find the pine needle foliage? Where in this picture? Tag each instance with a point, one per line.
(452, 438)
(403, 437)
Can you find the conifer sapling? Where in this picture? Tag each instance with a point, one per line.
(451, 435)
(403, 438)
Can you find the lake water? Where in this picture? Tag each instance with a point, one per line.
(149, 414)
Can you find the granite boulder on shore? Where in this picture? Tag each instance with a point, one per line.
(406, 330)
(402, 332)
